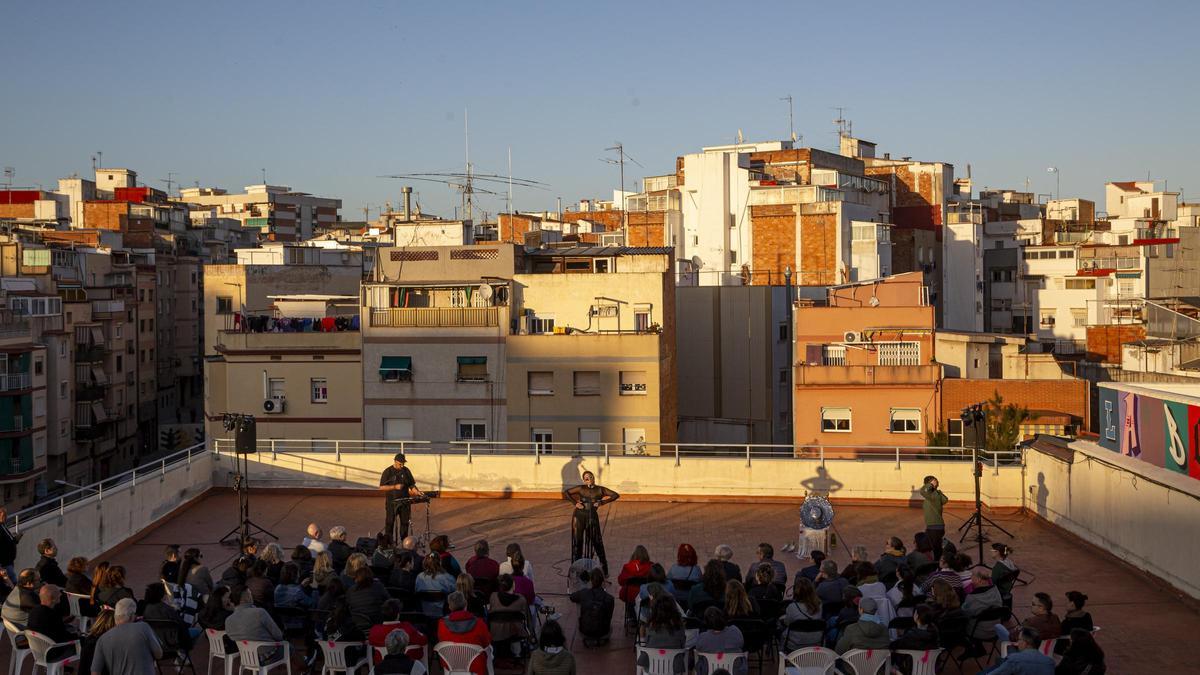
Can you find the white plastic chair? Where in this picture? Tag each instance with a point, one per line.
(725, 660)
(924, 661)
(414, 652)
(809, 661)
(251, 659)
(660, 661)
(866, 661)
(216, 650)
(1004, 647)
(73, 600)
(41, 645)
(457, 657)
(335, 657)
(18, 654)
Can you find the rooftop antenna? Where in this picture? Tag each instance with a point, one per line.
(845, 127)
(468, 191)
(9, 173)
(510, 199)
(264, 176)
(99, 160)
(169, 180)
(621, 157)
(739, 137)
(791, 118)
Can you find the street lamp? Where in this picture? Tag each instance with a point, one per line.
(1057, 181)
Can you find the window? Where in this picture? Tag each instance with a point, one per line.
(641, 320)
(1066, 254)
(275, 387)
(635, 440)
(62, 389)
(224, 305)
(954, 432)
(119, 330)
(835, 420)
(899, 354)
(62, 350)
(1080, 284)
(589, 440)
(472, 369)
(320, 390)
(1126, 286)
(1046, 317)
(543, 439)
(633, 383)
(120, 363)
(395, 369)
(39, 405)
(784, 333)
(783, 373)
(1079, 317)
(541, 383)
(906, 421)
(833, 355)
(397, 429)
(64, 428)
(471, 430)
(541, 324)
(38, 366)
(587, 383)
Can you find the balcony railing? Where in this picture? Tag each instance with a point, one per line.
(435, 317)
(89, 392)
(19, 464)
(11, 327)
(15, 381)
(90, 353)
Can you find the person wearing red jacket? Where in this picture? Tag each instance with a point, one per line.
(463, 627)
(633, 574)
(377, 637)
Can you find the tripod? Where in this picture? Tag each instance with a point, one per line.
(977, 520)
(241, 484)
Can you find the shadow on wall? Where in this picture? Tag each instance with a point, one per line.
(821, 484)
(1040, 495)
(572, 472)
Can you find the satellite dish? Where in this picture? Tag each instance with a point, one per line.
(485, 292)
(816, 513)
(697, 262)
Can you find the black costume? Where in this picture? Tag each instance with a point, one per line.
(396, 508)
(585, 524)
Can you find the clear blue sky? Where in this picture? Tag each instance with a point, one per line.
(328, 95)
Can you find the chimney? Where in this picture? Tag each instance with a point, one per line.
(407, 203)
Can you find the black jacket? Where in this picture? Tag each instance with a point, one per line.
(48, 621)
(50, 572)
(8, 547)
(339, 552)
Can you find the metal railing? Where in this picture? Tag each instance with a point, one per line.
(14, 381)
(95, 491)
(678, 451)
(435, 317)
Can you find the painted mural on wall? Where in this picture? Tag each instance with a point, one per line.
(1163, 433)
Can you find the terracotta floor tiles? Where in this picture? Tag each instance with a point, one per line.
(1146, 629)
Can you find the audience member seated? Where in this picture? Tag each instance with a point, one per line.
(377, 636)
(983, 596)
(480, 566)
(894, 557)
(259, 585)
(830, 584)
(858, 554)
(47, 619)
(903, 595)
(764, 588)
(272, 555)
(476, 604)
(685, 573)
(595, 609)
(169, 569)
(1076, 616)
(47, 565)
(505, 630)
(869, 632)
(658, 575)
(408, 549)
(804, 606)
(383, 557)
(338, 549)
(322, 571)
(738, 605)
(633, 574)
(1044, 620)
(98, 578)
(250, 549)
(923, 635)
(718, 637)
(403, 575)
(1004, 572)
(303, 558)
(945, 572)
(710, 592)
(552, 656)
(664, 628)
(1083, 655)
(103, 623)
(365, 599)
(313, 541)
(354, 563)
(22, 598)
(506, 566)
(1026, 659)
(248, 622)
(291, 593)
(335, 592)
(724, 553)
(433, 578)
(441, 546)
(341, 627)
(78, 581)
(463, 627)
(810, 572)
(216, 609)
(114, 589)
(157, 608)
(922, 554)
(397, 662)
(235, 575)
(522, 584)
(194, 572)
(870, 586)
(766, 555)
(944, 601)
(129, 648)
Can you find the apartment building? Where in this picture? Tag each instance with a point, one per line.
(24, 423)
(866, 371)
(276, 212)
(299, 373)
(34, 206)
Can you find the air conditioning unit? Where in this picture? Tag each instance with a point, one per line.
(273, 405)
(852, 337)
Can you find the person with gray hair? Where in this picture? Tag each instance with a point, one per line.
(130, 648)
(1026, 659)
(313, 541)
(254, 624)
(724, 553)
(463, 627)
(339, 550)
(396, 662)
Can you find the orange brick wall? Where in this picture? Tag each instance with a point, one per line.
(104, 215)
(512, 228)
(818, 249)
(16, 210)
(1104, 342)
(1069, 397)
(774, 246)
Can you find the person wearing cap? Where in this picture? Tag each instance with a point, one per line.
(399, 484)
(869, 632)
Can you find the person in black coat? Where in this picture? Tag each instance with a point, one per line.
(47, 619)
(47, 566)
(1083, 656)
(8, 548)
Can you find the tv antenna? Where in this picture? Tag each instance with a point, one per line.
(9, 173)
(169, 180)
(619, 148)
(845, 127)
(791, 118)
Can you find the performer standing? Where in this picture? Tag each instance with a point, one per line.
(400, 485)
(935, 524)
(585, 524)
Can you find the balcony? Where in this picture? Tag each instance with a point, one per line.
(866, 375)
(17, 424)
(21, 463)
(15, 381)
(14, 328)
(435, 317)
(89, 392)
(108, 309)
(91, 353)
